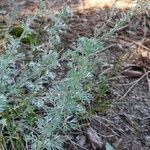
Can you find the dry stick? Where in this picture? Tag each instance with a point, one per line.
(102, 50)
(134, 85)
(122, 28)
(140, 44)
(113, 45)
(116, 77)
(101, 122)
(145, 29)
(148, 80)
(109, 19)
(101, 119)
(135, 42)
(78, 145)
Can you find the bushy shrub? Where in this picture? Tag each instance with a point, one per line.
(36, 110)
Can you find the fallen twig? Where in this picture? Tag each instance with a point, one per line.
(148, 80)
(134, 84)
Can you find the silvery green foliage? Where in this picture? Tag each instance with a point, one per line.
(42, 7)
(3, 102)
(66, 97)
(125, 17)
(109, 147)
(66, 12)
(88, 45)
(60, 105)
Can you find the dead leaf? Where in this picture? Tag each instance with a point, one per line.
(81, 140)
(94, 139)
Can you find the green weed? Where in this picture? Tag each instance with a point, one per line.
(30, 38)
(16, 31)
(101, 102)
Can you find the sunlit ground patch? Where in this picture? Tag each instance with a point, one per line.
(94, 4)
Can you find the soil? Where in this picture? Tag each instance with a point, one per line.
(126, 124)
